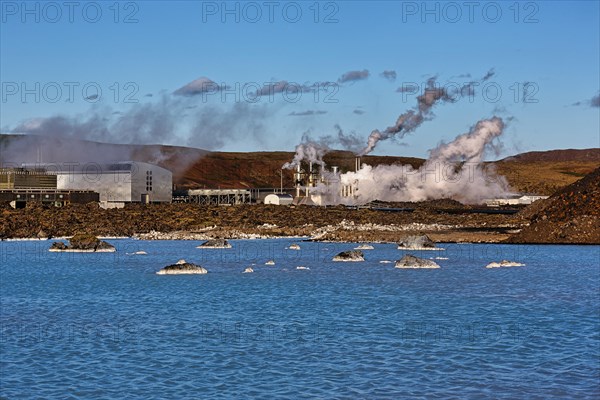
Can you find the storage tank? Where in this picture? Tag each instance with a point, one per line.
(279, 199)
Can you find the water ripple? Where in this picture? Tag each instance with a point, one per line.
(91, 326)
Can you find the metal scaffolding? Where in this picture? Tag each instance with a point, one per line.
(216, 196)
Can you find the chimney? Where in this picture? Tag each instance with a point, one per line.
(298, 177)
(357, 164)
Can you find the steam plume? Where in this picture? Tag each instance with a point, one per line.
(390, 75)
(453, 170)
(352, 76)
(413, 118)
(163, 120)
(313, 150)
(310, 150)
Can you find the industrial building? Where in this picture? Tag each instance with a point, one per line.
(307, 181)
(21, 178)
(116, 183)
(19, 186)
(19, 198)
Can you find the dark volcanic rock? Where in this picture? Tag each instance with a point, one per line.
(58, 246)
(352, 255)
(571, 215)
(215, 244)
(410, 261)
(182, 268)
(83, 243)
(417, 242)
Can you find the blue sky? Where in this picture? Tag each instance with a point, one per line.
(149, 49)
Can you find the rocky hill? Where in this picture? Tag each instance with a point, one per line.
(571, 215)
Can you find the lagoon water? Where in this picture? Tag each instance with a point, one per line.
(106, 326)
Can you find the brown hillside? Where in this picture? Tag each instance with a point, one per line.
(262, 169)
(543, 177)
(558, 155)
(534, 172)
(572, 215)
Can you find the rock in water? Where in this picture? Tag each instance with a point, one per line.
(182, 267)
(294, 247)
(504, 264)
(58, 246)
(410, 261)
(84, 244)
(215, 244)
(352, 255)
(248, 270)
(417, 242)
(364, 247)
(270, 262)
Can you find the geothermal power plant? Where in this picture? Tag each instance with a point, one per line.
(454, 170)
(113, 185)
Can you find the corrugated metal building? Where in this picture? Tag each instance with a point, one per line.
(18, 198)
(120, 182)
(21, 178)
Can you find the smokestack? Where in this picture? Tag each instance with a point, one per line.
(298, 177)
(357, 164)
(334, 170)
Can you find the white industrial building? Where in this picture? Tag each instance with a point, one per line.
(117, 183)
(517, 199)
(279, 199)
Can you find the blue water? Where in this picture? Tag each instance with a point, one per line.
(106, 326)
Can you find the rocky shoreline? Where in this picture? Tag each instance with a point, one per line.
(548, 221)
(379, 234)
